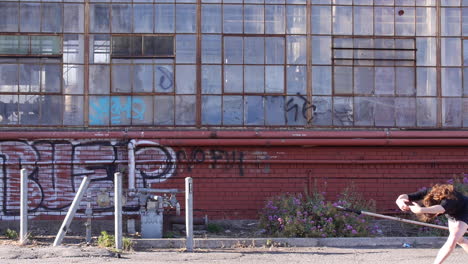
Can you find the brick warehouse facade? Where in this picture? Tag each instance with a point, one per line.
(233, 172)
(251, 98)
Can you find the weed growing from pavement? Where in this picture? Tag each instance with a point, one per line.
(108, 241)
(11, 234)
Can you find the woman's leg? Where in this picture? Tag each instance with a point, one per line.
(457, 229)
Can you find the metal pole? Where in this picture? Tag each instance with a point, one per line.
(118, 210)
(189, 213)
(71, 212)
(24, 207)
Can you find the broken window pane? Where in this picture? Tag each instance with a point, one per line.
(29, 108)
(73, 76)
(73, 109)
(8, 109)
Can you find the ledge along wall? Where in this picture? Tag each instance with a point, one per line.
(234, 172)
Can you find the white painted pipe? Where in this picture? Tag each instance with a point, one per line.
(118, 210)
(71, 212)
(189, 213)
(131, 165)
(24, 207)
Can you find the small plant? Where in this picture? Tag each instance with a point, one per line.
(108, 241)
(214, 228)
(11, 234)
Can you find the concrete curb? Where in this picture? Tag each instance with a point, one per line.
(291, 242)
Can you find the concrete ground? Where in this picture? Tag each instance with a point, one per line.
(322, 255)
(14, 254)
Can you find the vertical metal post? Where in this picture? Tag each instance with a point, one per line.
(71, 212)
(23, 207)
(189, 213)
(118, 210)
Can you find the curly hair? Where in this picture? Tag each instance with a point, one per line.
(435, 196)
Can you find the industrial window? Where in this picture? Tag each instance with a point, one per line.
(30, 46)
(142, 46)
(372, 77)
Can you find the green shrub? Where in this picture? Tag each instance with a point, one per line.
(11, 234)
(296, 215)
(108, 241)
(214, 228)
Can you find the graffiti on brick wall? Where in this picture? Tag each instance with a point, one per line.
(218, 158)
(55, 169)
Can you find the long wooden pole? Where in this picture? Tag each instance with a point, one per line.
(392, 218)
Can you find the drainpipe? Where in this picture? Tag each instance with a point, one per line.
(131, 166)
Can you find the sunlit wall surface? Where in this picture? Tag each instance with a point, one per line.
(234, 63)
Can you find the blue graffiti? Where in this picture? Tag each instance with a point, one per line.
(118, 108)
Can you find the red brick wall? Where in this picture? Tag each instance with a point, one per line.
(229, 182)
